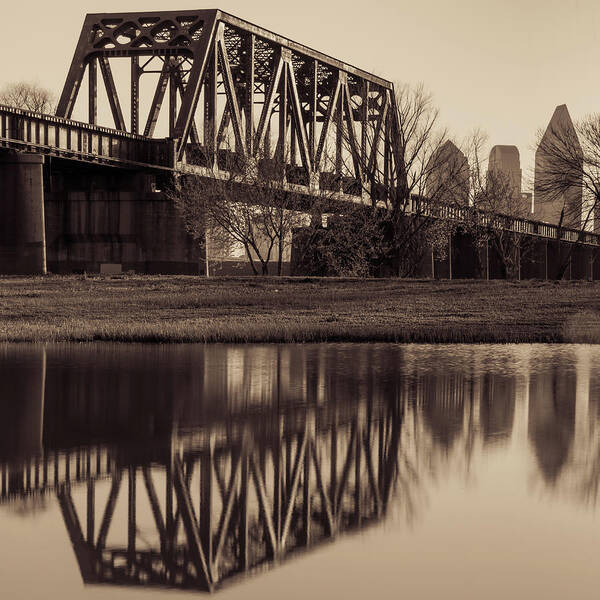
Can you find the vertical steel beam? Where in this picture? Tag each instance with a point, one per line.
(244, 522)
(339, 127)
(333, 466)
(357, 473)
(283, 116)
(249, 101)
(131, 514)
(93, 91)
(210, 104)
(90, 509)
(172, 100)
(205, 513)
(364, 124)
(277, 484)
(307, 493)
(313, 110)
(135, 94)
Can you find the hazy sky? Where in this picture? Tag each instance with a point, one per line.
(502, 65)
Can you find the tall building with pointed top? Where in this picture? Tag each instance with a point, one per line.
(448, 175)
(550, 202)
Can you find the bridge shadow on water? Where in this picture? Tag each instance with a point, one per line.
(190, 467)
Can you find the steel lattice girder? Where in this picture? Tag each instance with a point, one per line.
(210, 54)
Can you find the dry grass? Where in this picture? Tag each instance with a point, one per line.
(193, 309)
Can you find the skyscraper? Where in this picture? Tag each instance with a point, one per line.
(505, 160)
(448, 175)
(558, 183)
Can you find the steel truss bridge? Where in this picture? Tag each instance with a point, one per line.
(231, 87)
(225, 500)
(226, 89)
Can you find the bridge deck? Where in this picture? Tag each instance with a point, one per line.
(28, 131)
(55, 136)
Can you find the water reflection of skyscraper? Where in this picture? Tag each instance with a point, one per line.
(552, 418)
(497, 409)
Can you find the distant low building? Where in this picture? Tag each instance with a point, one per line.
(448, 175)
(551, 202)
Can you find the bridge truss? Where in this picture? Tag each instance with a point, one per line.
(235, 87)
(208, 507)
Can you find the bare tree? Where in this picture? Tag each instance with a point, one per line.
(28, 96)
(495, 202)
(242, 200)
(415, 186)
(568, 177)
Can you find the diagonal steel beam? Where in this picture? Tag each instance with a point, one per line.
(227, 507)
(354, 147)
(83, 551)
(291, 499)
(109, 510)
(331, 108)
(155, 506)
(377, 136)
(326, 504)
(263, 502)
(111, 91)
(157, 100)
(190, 524)
(265, 116)
(232, 101)
(299, 120)
(192, 91)
(178, 78)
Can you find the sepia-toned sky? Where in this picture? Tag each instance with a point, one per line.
(502, 65)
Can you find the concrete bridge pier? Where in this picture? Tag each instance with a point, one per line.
(22, 228)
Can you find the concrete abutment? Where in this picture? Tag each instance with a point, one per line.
(22, 222)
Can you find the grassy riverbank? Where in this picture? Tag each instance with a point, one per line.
(193, 309)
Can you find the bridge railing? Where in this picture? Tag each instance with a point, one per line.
(507, 222)
(47, 134)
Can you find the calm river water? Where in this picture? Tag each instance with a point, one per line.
(299, 471)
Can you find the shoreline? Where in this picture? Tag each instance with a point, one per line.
(191, 309)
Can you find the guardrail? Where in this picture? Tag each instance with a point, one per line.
(55, 136)
(506, 222)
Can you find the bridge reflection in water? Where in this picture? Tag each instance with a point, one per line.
(190, 467)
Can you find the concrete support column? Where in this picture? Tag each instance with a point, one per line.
(22, 226)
